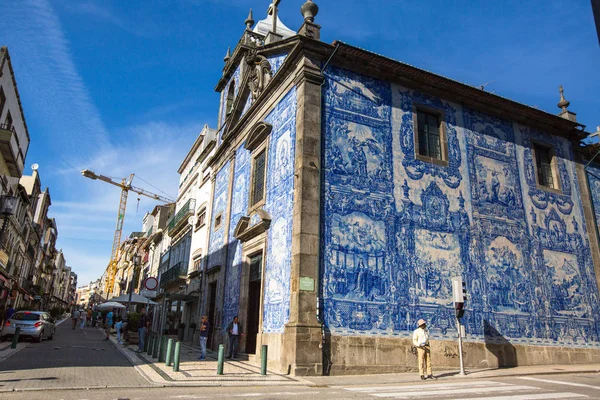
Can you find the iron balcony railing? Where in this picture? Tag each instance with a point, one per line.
(178, 271)
(183, 213)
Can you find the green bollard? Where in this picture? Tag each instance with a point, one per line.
(156, 347)
(15, 338)
(177, 353)
(150, 344)
(263, 360)
(163, 349)
(220, 360)
(168, 357)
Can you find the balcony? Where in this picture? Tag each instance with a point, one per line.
(180, 218)
(175, 273)
(11, 151)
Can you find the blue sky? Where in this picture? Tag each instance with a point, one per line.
(126, 86)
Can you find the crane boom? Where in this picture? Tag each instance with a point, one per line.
(125, 186)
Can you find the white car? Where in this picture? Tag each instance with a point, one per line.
(36, 325)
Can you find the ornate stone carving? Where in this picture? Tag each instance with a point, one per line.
(260, 74)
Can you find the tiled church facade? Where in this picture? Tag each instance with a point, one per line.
(380, 232)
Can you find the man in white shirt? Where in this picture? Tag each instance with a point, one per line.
(421, 342)
(234, 329)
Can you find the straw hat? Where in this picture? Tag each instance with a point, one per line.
(421, 322)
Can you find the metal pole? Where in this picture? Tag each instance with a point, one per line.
(177, 353)
(460, 349)
(163, 348)
(15, 338)
(263, 359)
(220, 360)
(155, 346)
(150, 344)
(168, 357)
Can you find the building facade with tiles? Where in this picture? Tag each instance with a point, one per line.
(348, 190)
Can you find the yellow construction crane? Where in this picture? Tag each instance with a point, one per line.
(125, 186)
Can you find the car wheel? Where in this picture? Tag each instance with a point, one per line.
(39, 338)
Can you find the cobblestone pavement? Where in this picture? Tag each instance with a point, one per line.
(73, 359)
(193, 372)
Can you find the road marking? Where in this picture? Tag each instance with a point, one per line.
(424, 385)
(537, 396)
(561, 382)
(422, 392)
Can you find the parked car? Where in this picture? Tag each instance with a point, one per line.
(36, 325)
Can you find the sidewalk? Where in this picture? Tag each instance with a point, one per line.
(193, 372)
(449, 375)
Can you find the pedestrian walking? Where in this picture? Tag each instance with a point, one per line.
(142, 329)
(89, 317)
(421, 342)
(234, 329)
(108, 324)
(204, 328)
(75, 318)
(119, 329)
(83, 315)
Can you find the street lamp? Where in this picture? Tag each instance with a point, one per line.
(137, 260)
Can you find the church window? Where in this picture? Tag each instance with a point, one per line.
(230, 98)
(430, 140)
(429, 133)
(545, 164)
(257, 193)
(218, 220)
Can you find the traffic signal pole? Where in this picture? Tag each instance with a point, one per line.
(460, 347)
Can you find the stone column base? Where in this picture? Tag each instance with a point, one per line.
(302, 353)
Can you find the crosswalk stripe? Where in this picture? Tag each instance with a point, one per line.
(424, 385)
(423, 392)
(537, 396)
(560, 382)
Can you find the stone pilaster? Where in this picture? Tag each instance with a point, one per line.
(302, 352)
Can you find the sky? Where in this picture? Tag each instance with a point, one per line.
(125, 87)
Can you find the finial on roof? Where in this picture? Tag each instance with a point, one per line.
(228, 55)
(250, 20)
(309, 11)
(563, 103)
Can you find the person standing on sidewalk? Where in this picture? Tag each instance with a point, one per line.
(234, 329)
(421, 342)
(108, 324)
(204, 328)
(142, 329)
(75, 318)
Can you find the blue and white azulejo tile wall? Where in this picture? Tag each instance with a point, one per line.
(397, 229)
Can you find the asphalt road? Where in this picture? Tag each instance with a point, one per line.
(564, 386)
(73, 359)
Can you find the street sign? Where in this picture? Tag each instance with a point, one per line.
(151, 283)
(148, 293)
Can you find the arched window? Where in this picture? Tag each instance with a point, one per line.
(230, 97)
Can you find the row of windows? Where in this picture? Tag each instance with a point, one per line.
(431, 146)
